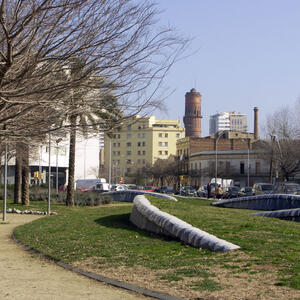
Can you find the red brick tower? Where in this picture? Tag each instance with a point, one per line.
(192, 116)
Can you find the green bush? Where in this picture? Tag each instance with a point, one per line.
(90, 198)
(80, 198)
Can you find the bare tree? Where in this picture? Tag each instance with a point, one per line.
(165, 171)
(284, 145)
(117, 37)
(124, 52)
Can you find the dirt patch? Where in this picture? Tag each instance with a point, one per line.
(237, 281)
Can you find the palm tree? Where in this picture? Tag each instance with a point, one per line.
(92, 111)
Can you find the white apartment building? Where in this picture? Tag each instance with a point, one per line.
(87, 159)
(227, 121)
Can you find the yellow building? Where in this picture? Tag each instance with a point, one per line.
(139, 144)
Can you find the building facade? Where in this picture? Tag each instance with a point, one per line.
(237, 155)
(87, 160)
(139, 144)
(227, 121)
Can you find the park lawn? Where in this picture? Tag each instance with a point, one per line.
(100, 238)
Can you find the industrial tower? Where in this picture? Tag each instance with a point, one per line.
(192, 116)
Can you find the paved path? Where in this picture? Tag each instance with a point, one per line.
(26, 276)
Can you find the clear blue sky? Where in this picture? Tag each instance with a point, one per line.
(248, 55)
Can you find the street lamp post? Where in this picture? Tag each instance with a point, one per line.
(248, 164)
(49, 175)
(216, 174)
(109, 167)
(5, 182)
(57, 142)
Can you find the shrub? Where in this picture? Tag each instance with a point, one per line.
(91, 198)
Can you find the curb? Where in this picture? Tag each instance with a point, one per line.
(100, 278)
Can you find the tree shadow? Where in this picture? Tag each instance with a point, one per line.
(121, 221)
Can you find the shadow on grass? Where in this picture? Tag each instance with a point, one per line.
(121, 221)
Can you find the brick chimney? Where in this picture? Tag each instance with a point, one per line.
(256, 137)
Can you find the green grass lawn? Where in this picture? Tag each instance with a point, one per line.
(105, 234)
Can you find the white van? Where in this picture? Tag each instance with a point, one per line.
(102, 187)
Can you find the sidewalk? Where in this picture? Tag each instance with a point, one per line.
(26, 276)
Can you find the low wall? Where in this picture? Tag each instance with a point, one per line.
(128, 195)
(262, 202)
(150, 218)
(288, 214)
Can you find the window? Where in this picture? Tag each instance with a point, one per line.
(159, 152)
(129, 127)
(128, 135)
(118, 162)
(166, 144)
(128, 161)
(177, 135)
(144, 161)
(144, 152)
(114, 144)
(227, 166)
(128, 152)
(144, 135)
(138, 161)
(115, 136)
(139, 152)
(139, 135)
(128, 170)
(119, 136)
(144, 144)
(119, 144)
(160, 135)
(114, 153)
(242, 168)
(119, 153)
(159, 144)
(139, 144)
(166, 135)
(257, 167)
(128, 144)
(166, 152)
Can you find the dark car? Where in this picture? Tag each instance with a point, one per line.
(231, 192)
(165, 190)
(188, 191)
(286, 188)
(245, 191)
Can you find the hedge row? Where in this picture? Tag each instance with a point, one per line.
(80, 198)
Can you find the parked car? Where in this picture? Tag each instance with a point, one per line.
(131, 186)
(245, 191)
(231, 192)
(286, 188)
(149, 188)
(202, 191)
(165, 190)
(262, 188)
(118, 187)
(188, 191)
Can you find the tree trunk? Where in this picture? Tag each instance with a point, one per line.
(25, 174)
(70, 189)
(18, 174)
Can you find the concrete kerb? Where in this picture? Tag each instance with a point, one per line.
(100, 278)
